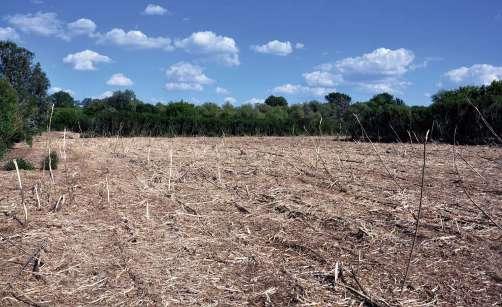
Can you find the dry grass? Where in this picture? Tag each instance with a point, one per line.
(258, 221)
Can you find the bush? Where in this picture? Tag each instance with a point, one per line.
(21, 164)
(10, 121)
(51, 160)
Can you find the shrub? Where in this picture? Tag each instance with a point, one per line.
(21, 164)
(53, 159)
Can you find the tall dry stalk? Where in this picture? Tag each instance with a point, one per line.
(218, 166)
(38, 197)
(22, 192)
(170, 170)
(378, 154)
(107, 190)
(418, 214)
(49, 143)
(464, 188)
(485, 121)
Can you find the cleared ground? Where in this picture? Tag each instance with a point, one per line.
(259, 221)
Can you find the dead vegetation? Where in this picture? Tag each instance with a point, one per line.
(258, 221)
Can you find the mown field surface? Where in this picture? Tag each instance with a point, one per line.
(258, 221)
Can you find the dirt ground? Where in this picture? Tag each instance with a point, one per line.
(251, 221)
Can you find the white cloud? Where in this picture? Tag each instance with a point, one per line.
(48, 24)
(254, 101)
(222, 91)
(154, 9)
(476, 74)
(184, 76)
(136, 39)
(119, 79)
(82, 26)
(182, 86)
(288, 88)
(274, 47)
(9, 33)
(324, 67)
(390, 85)
(56, 89)
(321, 79)
(45, 24)
(105, 95)
(380, 62)
(231, 100)
(381, 70)
(86, 60)
(297, 89)
(299, 45)
(221, 48)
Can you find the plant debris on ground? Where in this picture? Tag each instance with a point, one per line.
(249, 220)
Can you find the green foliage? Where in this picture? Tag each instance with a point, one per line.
(22, 164)
(24, 108)
(11, 125)
(30, 85)
(62, 99)
(276, 101)
(51, 160)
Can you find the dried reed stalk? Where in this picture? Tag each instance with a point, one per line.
(418, 214)
(170, 170)
(49, 143)
(464, 188)
(378, 154)
(485, 121)
(22, 193)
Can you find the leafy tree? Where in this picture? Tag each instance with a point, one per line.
(340, 101)
(276, 101)
(10, 122)
(62, 99)
(28, 80)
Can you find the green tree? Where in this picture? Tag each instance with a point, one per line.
(276, 101)
(62, 99)
(340, 101)
(28, 80)
(10, 122)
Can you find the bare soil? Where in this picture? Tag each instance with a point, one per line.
(250, 221)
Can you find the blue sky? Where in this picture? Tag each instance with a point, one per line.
(243, 51)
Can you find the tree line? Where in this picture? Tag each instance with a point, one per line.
(470, 115)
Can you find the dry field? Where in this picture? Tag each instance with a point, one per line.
(251, 221)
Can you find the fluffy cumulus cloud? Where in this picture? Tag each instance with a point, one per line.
(86, 60)
(298, 89)
(119, 79)
(321, 79)
(8, 33)
(231, 100)
(56, 89)
(184, 76)
(48, 24)
(380, 62)
(222, 48)
(82, 26)
(45, 24)
(274, 47)
(154, 9)
(222, 91)
(277, 47)
(254, 100)
(105, 95)
(135, 39)
(324, 67)
(476, 74)
(381, 70)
